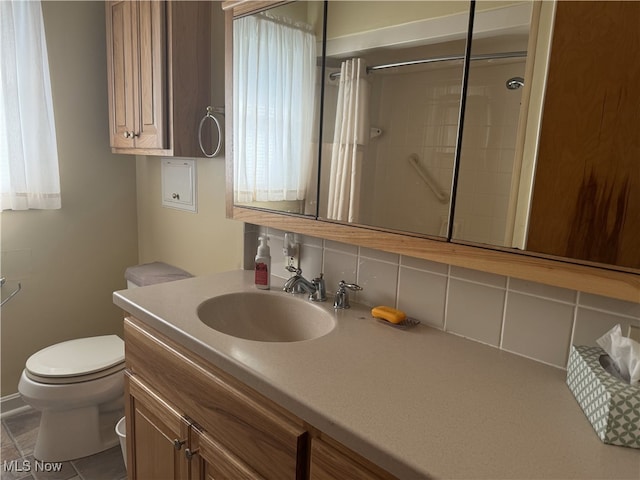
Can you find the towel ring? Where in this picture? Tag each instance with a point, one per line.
(12, 294)
(210, 114)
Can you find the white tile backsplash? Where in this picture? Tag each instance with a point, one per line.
(527, 318)
(475, 311)
(422, 294)
(538, 328)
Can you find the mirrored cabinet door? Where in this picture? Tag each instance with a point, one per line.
(489, 165)
(277, 63)
(392, 91)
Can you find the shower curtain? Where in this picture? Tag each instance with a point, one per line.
(351, 134)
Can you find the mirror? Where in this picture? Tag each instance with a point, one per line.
(392, 93)
(489, 159)
(402, 132)
(277, 63)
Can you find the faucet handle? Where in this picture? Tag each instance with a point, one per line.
(342, 295)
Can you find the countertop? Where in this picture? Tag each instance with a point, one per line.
(419, 403)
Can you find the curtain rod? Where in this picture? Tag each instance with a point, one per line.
(483, 56)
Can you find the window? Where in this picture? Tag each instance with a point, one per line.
(274, 80)
(29, 177)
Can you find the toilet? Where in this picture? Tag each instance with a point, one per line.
(78, 385)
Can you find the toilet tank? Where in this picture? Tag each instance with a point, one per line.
(152, 273)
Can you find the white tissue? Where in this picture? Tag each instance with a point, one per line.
(625, 353)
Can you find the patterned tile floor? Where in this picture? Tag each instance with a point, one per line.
(17, 463)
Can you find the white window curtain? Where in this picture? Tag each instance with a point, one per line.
(274, 83)
(29, 176)
(351, 134)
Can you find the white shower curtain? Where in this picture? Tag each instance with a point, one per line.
(351, 134)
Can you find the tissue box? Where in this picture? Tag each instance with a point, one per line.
(611, 405)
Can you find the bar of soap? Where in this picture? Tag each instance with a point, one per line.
(389, 314)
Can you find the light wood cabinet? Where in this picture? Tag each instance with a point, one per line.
(586, 198)
(336, 462)
(232, 429)
(187, 419)
(159, 75)
(159, 431)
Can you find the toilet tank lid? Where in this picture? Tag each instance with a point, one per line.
(77, 357)
(154, 272)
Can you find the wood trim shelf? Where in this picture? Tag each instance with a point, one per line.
(588, 279)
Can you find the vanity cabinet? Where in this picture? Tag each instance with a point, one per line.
(159, 431)
(232, 428)
(159, 75)
(336, 462)
(167, 444)
(188, 419)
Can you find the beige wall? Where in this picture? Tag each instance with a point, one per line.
(71, 260)
(201, 242)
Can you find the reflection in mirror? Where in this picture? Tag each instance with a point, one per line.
(275, 104)
(489, 164)
(391, 106)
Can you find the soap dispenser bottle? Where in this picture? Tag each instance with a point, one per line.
(263, 264)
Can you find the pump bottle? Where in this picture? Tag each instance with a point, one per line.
(263, 264)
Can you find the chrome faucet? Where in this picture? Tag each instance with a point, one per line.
(342, 295)
(298, 284)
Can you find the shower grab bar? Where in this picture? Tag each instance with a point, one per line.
(448, 58)
(428, 179)
(12, 294)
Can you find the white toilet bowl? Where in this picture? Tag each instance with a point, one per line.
(78, 386)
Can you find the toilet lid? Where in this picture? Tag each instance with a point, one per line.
(78, 357)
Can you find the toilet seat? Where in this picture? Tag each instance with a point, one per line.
(76, 361)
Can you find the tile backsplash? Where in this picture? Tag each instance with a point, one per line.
(526, 318)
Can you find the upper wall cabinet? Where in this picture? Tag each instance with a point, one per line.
(417, 135)
(159, 75)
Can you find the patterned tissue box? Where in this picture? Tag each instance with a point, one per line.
(611, 405)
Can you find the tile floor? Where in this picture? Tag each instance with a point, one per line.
(17, 463)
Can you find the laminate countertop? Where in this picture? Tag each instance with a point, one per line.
(420, 403)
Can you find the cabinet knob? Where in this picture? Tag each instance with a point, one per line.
(190, 453)
(129, 135)
(178, 443)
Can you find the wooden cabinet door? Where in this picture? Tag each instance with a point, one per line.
(234, 416)
(150, 82)
(586, 198)
(214, 461)
(121, 61)
(137, 73)
(157, 435)
(329, 463)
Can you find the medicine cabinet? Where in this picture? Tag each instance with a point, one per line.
(425, 122)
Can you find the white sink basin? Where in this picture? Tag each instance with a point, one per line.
(265, 317)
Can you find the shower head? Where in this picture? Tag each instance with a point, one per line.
(515, 83)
